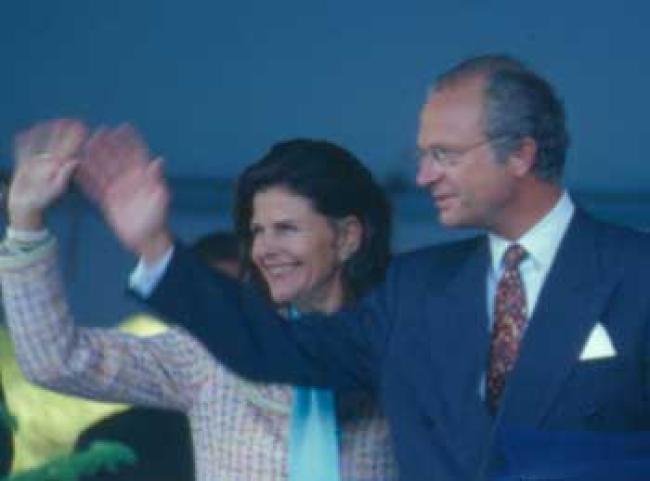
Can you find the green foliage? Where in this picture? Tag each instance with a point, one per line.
(101, 455)
(6, 419)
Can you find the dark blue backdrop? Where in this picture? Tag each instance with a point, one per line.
(212, 84)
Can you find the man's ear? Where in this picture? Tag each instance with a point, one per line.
(521, 161)
(350, 233)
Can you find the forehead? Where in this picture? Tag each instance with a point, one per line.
(280, 203)
(453, 115)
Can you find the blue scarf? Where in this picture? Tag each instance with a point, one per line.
(313, 439)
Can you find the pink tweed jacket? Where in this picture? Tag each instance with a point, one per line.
(240, 429)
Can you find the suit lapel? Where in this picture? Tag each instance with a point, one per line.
(571, 302)
(460, 341)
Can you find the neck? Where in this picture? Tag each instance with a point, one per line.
(533, 201)
(327, 305)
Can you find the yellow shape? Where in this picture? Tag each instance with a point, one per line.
(49, 423)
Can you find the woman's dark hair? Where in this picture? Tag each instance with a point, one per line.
(338, 185)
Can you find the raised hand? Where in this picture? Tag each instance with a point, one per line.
(129, 188)
(108, 154)
(45, 157)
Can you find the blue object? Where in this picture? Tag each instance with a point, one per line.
(419, 342)
(313, 442)
(574, 456)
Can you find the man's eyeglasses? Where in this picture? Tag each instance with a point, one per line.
(449, 157)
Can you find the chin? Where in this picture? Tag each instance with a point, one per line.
(281, 297)
(455, 221)
(449, 220)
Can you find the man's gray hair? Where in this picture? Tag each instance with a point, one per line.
(519, 103)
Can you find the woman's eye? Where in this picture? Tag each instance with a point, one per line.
(286, 228)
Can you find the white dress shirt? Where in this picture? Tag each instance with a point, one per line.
(145, 277)
(541, 242)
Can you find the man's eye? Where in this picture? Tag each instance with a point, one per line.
(440, 154)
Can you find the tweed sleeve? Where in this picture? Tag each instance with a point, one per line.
(165, 370)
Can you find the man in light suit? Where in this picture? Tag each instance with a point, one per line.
(544, 323)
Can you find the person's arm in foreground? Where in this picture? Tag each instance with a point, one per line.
(236, 325)
(100, 363)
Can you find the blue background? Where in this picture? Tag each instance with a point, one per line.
(212, 84)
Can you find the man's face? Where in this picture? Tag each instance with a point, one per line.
(469, 186)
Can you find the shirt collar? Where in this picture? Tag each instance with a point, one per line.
(542, 240)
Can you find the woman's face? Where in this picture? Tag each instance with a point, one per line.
(298, 251)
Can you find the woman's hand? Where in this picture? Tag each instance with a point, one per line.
(117, 173)
(45, 157)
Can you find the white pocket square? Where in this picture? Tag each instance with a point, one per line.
(598, 346)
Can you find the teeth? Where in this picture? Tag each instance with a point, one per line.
(278, 270)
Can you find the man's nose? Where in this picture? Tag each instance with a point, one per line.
(428, 173)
